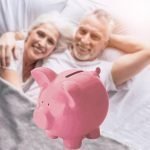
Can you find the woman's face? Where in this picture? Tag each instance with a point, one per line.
(41, 42)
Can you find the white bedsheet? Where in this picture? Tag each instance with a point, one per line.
(18, 132)
(128, 120)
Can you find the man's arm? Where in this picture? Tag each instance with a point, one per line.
(129, 65)
(7, 46)
(20, 35)
(11, 76)
(126, 43)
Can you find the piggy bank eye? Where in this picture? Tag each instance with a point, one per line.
(69, 75)
(42, 102)
(48, 104)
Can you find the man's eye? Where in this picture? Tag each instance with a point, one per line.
(82, 31)
(51, 41)
(95, 37)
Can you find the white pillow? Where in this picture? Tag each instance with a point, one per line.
(76, 9)
(131, 15)
(18, 15)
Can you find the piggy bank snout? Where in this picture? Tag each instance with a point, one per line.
(40, 119)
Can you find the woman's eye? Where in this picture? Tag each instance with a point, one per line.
(41, 34)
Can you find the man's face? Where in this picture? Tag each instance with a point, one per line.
(90, 39)
(41, 42)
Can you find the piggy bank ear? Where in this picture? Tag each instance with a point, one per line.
(43, 76)
(97, 71)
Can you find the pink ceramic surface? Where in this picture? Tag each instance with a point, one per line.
(72, 104)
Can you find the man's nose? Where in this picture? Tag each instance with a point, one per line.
(85, 39)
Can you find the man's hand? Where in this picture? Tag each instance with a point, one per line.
(7, 48)
(126, 43)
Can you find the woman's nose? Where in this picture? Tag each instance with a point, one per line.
(42, 42)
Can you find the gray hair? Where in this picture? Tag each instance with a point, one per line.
(64, 27)
(101, 14)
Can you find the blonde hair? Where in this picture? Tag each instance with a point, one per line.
(64, 27)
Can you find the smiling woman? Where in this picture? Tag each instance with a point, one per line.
(42, 39)
(40, 42)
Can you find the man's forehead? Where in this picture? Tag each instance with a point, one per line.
(93, 17)
(93, 22)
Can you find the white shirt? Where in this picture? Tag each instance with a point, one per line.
(62, 61)
(29, 87)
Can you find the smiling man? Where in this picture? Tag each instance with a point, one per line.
(93, 35)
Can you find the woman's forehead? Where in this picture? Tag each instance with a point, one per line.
(48, 28)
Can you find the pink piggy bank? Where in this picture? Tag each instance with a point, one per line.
(71, 105)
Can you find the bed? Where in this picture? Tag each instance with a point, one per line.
(18, 132)
(127, 125)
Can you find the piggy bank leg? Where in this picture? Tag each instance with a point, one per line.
(94, 134)
(50, 135)
(70, 149)
(71, 144)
